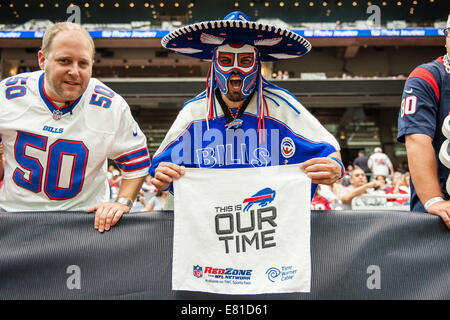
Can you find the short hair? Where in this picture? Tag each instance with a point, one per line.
(354, 171)
(52, 31)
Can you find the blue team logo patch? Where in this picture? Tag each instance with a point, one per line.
(235, 124)
(198, 271)
(287, 147)
(262, 197)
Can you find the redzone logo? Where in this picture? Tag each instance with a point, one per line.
(228, 271)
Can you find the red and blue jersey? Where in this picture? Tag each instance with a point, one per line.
(292, 135)
(425, 105)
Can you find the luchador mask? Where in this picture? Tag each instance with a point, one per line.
(243, 59)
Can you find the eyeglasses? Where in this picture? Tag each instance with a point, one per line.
(446, 32)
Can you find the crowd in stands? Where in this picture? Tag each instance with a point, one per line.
(369, 183)
(281, 75)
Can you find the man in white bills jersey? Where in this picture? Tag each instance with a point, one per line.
(59, 126)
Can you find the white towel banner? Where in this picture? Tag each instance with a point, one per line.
(242, 231)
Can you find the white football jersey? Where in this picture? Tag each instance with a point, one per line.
(56, 157)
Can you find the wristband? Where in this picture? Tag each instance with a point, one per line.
(125, 201)
(432, 201)
(342, 166)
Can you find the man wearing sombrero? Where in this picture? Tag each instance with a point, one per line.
(241, 119)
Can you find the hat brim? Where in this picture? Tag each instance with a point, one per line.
(199, 40)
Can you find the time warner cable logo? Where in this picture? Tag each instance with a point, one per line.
(286, 273)
(272, 273)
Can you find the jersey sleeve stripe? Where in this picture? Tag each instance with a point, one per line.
(426, 75)
(132, 155)
(135, 166)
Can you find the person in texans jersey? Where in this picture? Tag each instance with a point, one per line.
(241, 119)
(424, 127)
(58, 128)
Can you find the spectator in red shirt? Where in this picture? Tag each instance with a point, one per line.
(398, 187)
(319, 202)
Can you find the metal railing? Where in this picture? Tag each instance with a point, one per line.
(379, 202)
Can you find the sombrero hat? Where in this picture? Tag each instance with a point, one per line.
(198, 40)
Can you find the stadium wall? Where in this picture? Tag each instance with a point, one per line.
(354, 255)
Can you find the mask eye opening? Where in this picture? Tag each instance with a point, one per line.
(225, 59)
(246, 60)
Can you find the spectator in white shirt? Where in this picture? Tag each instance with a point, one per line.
(380, 164)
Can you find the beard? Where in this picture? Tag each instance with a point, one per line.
(235, 96)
